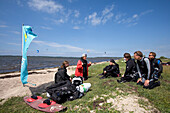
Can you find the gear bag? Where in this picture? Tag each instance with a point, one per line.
(63, 91)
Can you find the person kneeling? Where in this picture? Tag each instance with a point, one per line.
(130, 73)
(111, 70)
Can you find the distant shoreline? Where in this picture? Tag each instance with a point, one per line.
(11, 64)
(37, 71)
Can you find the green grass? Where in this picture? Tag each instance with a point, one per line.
(159, 97)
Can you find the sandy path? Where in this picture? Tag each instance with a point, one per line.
(10, 87)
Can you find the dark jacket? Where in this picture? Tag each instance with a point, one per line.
(112, 70)
(130, 67)
(61, 75)
(156, 65)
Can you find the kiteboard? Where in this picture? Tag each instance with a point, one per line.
(39, 104)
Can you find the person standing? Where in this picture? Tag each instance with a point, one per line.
(82, 67)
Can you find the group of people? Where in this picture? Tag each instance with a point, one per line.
(81, 70)
(145, 71)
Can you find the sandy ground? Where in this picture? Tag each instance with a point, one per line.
(10, 84)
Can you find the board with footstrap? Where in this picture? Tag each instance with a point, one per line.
(46, 105)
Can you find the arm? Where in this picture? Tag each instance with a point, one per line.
(148, 67)
(89, 64)
(160, 67)
(111, 69)
(79, 64)
(138, 70)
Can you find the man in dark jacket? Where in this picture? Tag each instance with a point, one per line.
(130, 72)
(156, 70)
(144, 71)
(111, 70)
(156, 65)
(143, 68)
(62, 75)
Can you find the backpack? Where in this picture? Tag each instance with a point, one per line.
(77, 81)
(63, 91)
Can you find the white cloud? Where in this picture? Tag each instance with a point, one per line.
(146, 12)
(14, 44)
(16, 32)
(107, 17)
(101, 17)
(77, 13)
(76, 27)
(93, 19)
(56, 45)
(130, 21)
(46, 28)
(3, 26)
(107, 10)
(48, 6)
(135, 16)
(60, 21)
(19, 3)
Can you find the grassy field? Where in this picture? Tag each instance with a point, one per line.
(103, 91)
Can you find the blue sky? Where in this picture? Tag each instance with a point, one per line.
(73, 27)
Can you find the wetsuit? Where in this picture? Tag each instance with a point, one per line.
(143, 68)
(61, 75)
(156, 68)
(111, 70)
(130, 72)
(144, 71)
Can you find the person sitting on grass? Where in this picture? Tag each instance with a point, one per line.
(144, 71)
(156, 69)
(156, 65)
(111, 70)
(62, 75)
(130, 72)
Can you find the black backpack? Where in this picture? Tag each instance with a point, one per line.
(63, 91)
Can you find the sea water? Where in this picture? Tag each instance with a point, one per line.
(13, 63)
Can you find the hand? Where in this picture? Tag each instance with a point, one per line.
(146, 83)
(139, 80)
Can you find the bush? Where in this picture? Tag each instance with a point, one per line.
(162, 57)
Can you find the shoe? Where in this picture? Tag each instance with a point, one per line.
(121, 81)
(100, 74)
(155, 85)
(140, 83)
(103, 77)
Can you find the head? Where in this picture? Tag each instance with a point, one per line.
(152, 55)
(138, 55)
(84, 56)
(65, 64)
(112, 62)
(127, 56)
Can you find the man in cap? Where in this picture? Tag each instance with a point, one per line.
(82, 67)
